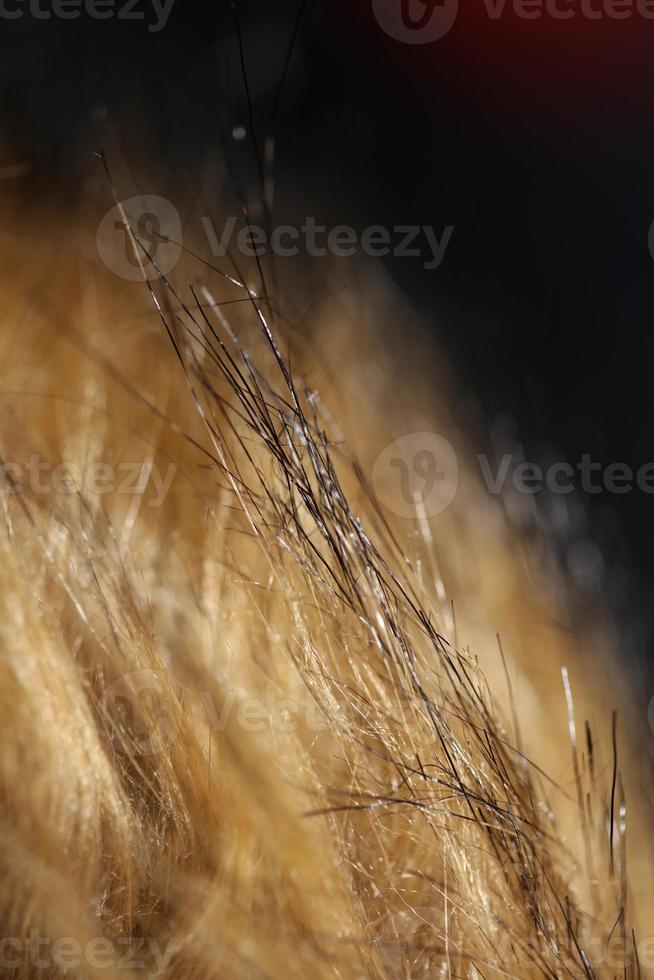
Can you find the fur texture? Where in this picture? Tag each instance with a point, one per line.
(258, 726)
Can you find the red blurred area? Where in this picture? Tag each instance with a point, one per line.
(589, 64)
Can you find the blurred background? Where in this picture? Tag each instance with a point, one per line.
(531, 136)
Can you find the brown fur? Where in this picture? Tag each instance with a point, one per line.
(265, 728)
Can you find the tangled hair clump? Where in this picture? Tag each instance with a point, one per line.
(240, 735)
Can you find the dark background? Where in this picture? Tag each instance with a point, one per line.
(533, 138)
